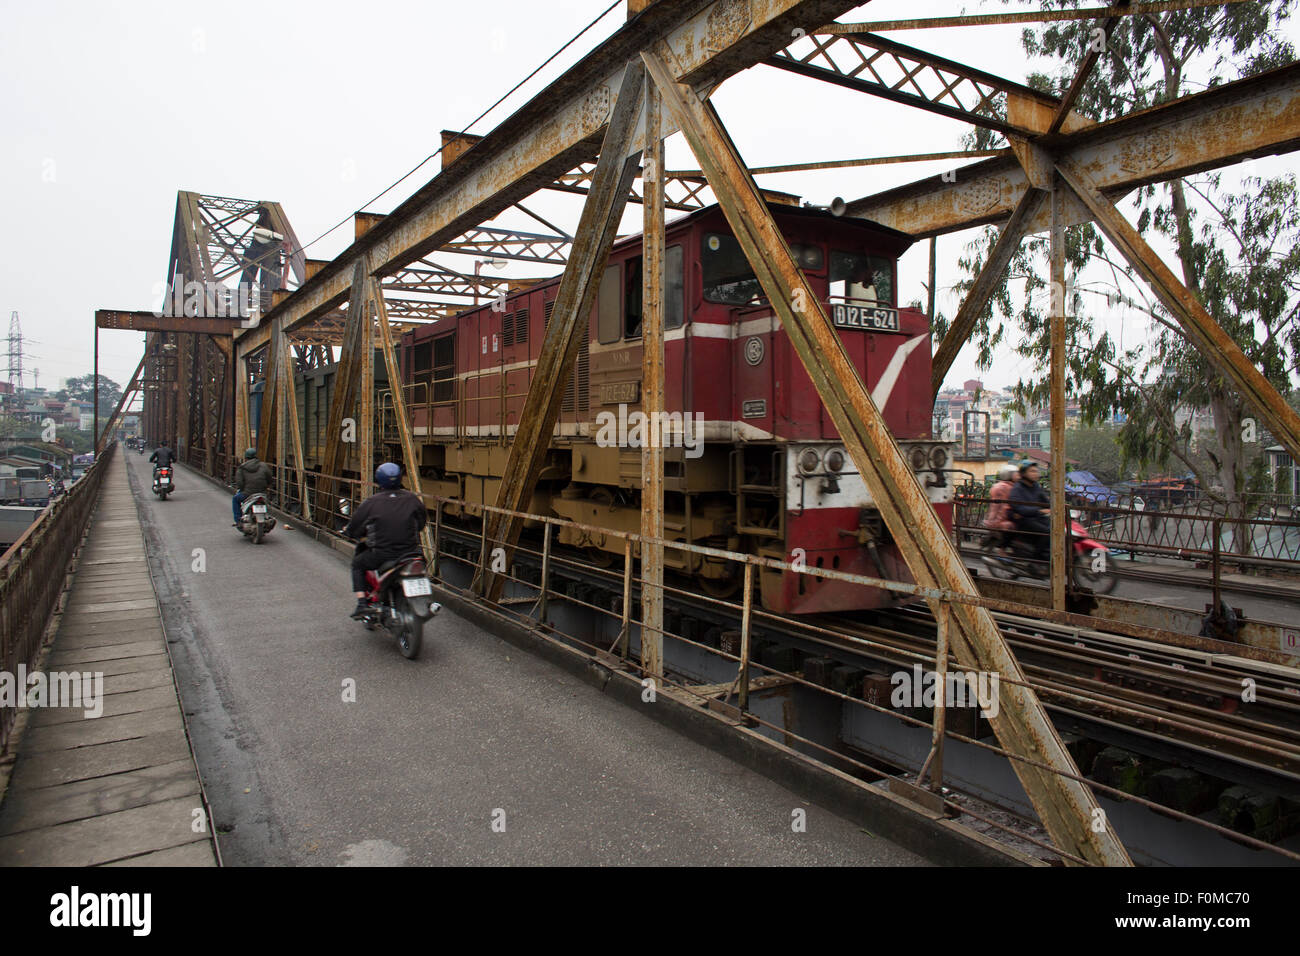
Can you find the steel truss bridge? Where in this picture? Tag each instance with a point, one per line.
(597, 131)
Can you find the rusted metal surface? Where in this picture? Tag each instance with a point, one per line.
(409, 453)
(894, 71)
(1251, 117)
(1035, 16)
(33, 571)
(652, 389)
(1198, 325)
(1065, 806)
(595, 236)
(977, 298)
(1060, 555)
(343, 395)
(119, 319)
(556, 131)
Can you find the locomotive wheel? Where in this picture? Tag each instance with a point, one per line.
(724, 589)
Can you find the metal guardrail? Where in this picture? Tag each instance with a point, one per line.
(735, 647)
(33, 570)
(1192, 529)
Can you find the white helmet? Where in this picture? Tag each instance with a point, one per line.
(1007, 472)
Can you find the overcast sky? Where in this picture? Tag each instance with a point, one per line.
(110, 108)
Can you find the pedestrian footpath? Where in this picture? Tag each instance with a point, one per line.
(112, 780)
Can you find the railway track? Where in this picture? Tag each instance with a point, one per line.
(1171, 705)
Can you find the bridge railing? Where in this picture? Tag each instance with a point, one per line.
(32, 574)
(1193, 529)
(552, 574)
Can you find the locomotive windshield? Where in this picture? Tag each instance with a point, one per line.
(857, 276)
(728, 276)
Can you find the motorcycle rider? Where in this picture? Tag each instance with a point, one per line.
(389, 523)
(1029, 501)
(998, 520)
(251, 477)
(162, 456)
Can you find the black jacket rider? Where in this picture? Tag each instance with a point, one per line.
(163, 456)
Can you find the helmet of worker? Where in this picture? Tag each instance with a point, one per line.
(1027, 464)
(250, 452)
(1007, 472)
(388, 475)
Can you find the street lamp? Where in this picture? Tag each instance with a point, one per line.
(478, 264)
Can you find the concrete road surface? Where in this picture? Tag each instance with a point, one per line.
(432, 751)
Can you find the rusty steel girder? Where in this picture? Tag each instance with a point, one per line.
(554, 133)
(1251, 117)
(1066, 806)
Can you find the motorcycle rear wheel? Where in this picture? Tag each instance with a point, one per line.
(410, 633)
(257, 532)
(1098, 582)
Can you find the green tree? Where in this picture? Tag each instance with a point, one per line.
(82, 389)
(1239, 253)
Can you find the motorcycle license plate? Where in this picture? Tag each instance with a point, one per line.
(415, 587)
(259, 509)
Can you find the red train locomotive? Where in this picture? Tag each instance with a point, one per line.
(753, 462)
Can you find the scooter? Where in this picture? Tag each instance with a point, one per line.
(1091, 568)
(162, 482)
(401, 600)
(255, 519)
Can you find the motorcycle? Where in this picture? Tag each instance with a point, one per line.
(255, 519)
(401, 600)
(1091, 567)
(162, 482)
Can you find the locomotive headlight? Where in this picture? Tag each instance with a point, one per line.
(835, 460)
(918, 459)
(938, 458)
(809, 459)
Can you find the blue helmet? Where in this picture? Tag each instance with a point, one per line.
(388, 475)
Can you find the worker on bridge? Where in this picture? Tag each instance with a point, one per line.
(388, 523)
(251, 477)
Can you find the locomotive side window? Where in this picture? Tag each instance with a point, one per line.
(674, 289)
(422, 371)
(609, 311)
(856, 276)
(632, 292)
(674, 293)
(728, 277)
(444, 368)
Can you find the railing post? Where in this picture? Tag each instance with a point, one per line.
(745, 618)
(482, 553)
(1215, 564)
(934, 762)
(436, 556)
(624, 632)
(546, 573)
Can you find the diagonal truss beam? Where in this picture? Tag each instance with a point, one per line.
(978, 296)
(1197, 324)
(903, 74)
(1256, 116)
(573, 304)
(1065, 805)
(554, 132)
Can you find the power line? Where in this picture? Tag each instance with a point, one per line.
(480, 116)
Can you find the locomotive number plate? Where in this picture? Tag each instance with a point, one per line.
(754, 408)
(620, 393)
(864, 317)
